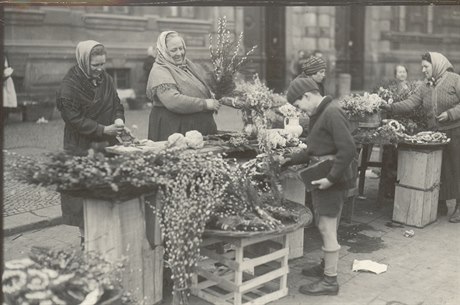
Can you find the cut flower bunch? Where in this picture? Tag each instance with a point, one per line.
(60, 277)
(356, 105)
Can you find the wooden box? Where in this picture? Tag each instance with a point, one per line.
(117, 230)
(419, 168)
(243, 277)
(294, 190)
(415, 207)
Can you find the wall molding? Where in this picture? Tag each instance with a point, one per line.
(23, 17)
(115, 22)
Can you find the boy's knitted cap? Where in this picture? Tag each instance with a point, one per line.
(299, 86)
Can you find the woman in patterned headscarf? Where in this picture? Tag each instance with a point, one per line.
(440, 97)
(92, 113)
(182, 101)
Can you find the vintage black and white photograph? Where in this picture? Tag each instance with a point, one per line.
(231, 155)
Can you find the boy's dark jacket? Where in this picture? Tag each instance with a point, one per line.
(329, 134)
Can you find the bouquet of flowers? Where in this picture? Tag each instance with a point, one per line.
(225, 59)
(356, 105)
(289, 111)
(61, 277)
(394, 91)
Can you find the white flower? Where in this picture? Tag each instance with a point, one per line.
(13, 281)
(19, 263)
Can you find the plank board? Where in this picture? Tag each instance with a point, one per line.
(117, 230)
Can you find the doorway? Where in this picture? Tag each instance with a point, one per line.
(349, 43)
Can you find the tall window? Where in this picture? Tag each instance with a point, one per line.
(416, 19)
(118, 10)
(121, 77)
(446, 19)
(180, 11)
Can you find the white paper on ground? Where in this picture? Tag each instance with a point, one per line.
(368, 265)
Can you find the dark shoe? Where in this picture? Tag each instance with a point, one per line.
(315, 271)
(442, 208)
(326, 286)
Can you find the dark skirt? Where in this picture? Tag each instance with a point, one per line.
(163, 123)
(450, 168)
(328, 202)
(72, 210)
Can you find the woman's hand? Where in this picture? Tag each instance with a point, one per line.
(323, 183)
(385, 107)
(112, 130)
(443, 117)
(212, 104)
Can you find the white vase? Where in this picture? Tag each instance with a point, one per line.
(292, 126)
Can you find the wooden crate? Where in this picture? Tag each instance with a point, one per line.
(419, 168)
(415, 207)
(246, 278)
(116, 230)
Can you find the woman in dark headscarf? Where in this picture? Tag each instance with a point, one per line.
(91, 110)
(440, 97)
(182, 101)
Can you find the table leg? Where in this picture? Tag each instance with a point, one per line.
(363, 168)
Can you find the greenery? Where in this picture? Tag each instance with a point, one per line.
(226, 59)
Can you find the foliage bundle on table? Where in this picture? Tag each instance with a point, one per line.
(57, 277)
(226, 59)
(393, 91)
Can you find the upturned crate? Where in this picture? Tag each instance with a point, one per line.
(416, 208)
(417, 189)
(244, 277)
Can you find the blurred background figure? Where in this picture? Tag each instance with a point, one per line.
(296, 64)
(148, 61)
(401, 73)
(9, 93)
(315, 68)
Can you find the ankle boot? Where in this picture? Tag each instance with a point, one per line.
(326, 286)
(315, 271)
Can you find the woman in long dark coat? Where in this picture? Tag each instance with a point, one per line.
(91, 109)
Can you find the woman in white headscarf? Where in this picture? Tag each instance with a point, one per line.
(182, 100)
(91, 110)
(440, 97)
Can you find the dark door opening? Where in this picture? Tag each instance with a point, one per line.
(275, 44)
(349, 43)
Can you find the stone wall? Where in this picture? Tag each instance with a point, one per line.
(41, 42)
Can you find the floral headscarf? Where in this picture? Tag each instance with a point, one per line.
(440, 65)
(163, 54)
(82, 54)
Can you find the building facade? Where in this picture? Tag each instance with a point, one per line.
(365, 42)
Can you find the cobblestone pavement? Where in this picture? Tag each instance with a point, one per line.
(34, 140)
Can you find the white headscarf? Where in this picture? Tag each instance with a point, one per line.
(82, 54)
(440, 65)
(163, 54)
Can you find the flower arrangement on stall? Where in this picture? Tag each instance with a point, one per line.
(393, 91)
(356, 105)
(61, 277)
(289, 111)
(226, 59)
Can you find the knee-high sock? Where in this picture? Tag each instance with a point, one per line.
(331, 259)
